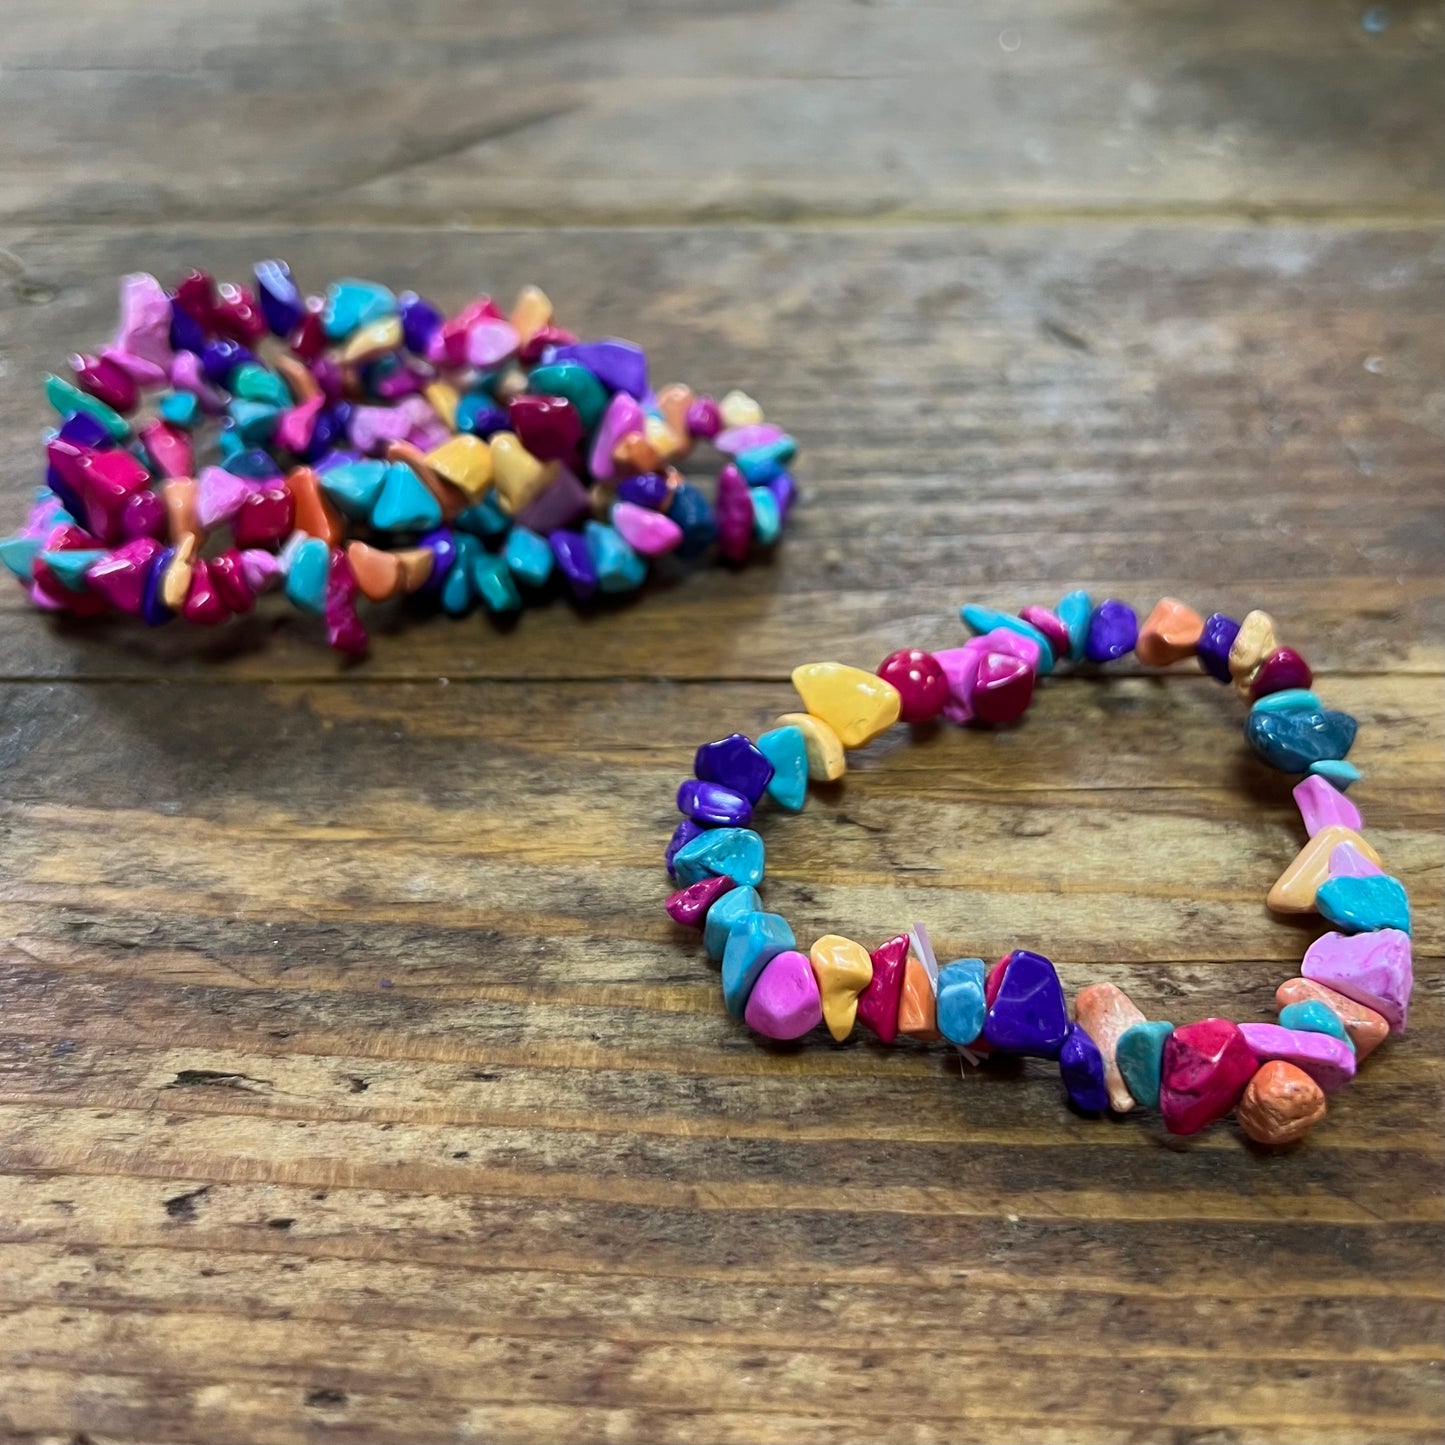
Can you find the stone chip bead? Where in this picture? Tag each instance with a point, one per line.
(1296, 889)
(1113, 631)
(920, 682)
(785, 750)
(1321, 805)
(1282, 670)
(821, 746)
(1215, 644)
(754, 941)
(1205, 1068)
(736, 762)
(1170, 633)
(1081, 1067)
(878, 1003)
(857, 705)
(1280, 1104)
(1140, 1055)
(1314, 1017)
(1366, 1029)
(720, 917)
(1028, 1014)
(843, 969)
(1374, 969)
(736, 853)
(689, 906)
(713, 805)
(918, 1003)
(1364, 905)
(1105, 1012)
(785, 1002)
(1329, 1061)
(961, 1003)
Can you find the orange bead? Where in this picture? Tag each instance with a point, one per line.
(673, 402)
(378, 574)
(1170, 633)
(314, 514)
(635, 454)
(918, 1005)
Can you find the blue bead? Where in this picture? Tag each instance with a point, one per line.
(1140, 1056)
(786, 749)
(960, 1000)
(1074, 611)
(1213, 647)
(405, 503)
(154, 611)
(735, 853)
(253, 464)
(761, 464)
(354, 486)
(1313, 1016)
(70, 566)
(1291, 699)
(648, 490)
(529, 556)
(1292, 741)
(351, 304)
(18, 553)
(1081, 1067)
(219, 358)
(713, 804)
(306, 576)
(420, 321)
(693, 513)
(187, 334)
(494, 584)
(179, 408)
(984, 619)
(84, 430)
(326, 431)
(619, 568)
(735, 762)
(1113, 631)
(723, 914)
(1364, 905)
(574, 561)
(754, 941)
(767, 519)
(228, 442)
(1336, 771)
(1028, 1014)
(280, 299)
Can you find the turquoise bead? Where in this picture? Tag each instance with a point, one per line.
(180, 408)
(754, 941)
(67, 400)
(306, 577)
(19, 554)
(1314, 1017)
(985, 619)
(493, 581)
(1365, 905)
(1291, 741)
(486, 519)
(255, 421)
(1140, 1056)
(1292, 699)
(619, 568)
(458, 594)
(786, 749)
(229, 443)
(767, 517)
(470, 407)
(761, 464)
(1074, 611)
(723, 914)
(736, 853)
(253, 382)
(354, 487)
(405, 504)
(573, 381)
(351, 304)
(529, 556)
(71, 566)
(1336, 771)
(961, 1006)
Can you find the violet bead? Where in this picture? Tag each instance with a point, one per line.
(82, 430)
(1113, 631)
(682, 835)
(187, 334)
(443, 546)
(221, 357)
(1028, 1014)
(153, 608)
(737, 763)
(574, 561)
(1081, 1067)
(1214, 643)
(785, 493)
(420, 321)
(487, 421)
(279, 297)
(648, 490)
(618, 365)
(713, 804)
(704, 419)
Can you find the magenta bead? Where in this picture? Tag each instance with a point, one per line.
(734, 511)
(1284, 668)
(1052, 626)
(920, 680)
(265, 517)
(144, 516)
(689, 906)
(106, 381)
(344, 630)
(704, 419)
(1003, 688)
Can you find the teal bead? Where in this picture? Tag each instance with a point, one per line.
(984, 619)
(1336, 771)
(68, 399)
(253, 382)
(735, 853)
(255, 421)
(19, 554)
(786, 750)
(1140, 1056)
(458, 594)
(1314, 1017)
(405, 504)
(180, 408)
(229, 443)
(1365, 905)
(754, 941)
(961, 1006)
(354, 487)
(1074, 611)
(572, 380)
(351, 304)
(485, 519)
(471, 405)
(1291, 741)
(723, 914)
(529, 556)
(306, 577)
(1292, 699)
(619, 567)
(493, 581)
(767, 518)
(70, 567)
(761, 464)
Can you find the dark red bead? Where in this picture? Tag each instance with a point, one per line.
(1003, 688)
(540, 340)
(196, 296)
(1284, 668)
(548, 426)
(921, 682)
(229, 579)
(308, 340)
(266, 517)
(106, 381)
(238, 314)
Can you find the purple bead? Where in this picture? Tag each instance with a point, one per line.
(420, 321)
(1028, 1014)
(220, 358)
(144, 515)
(1081, 1067)
(618, 365)
(649, 490)
(443, 544)
(326, 372)
(83, 430)
(682, 835)
(1214, 644)
(713, 804)
(703, 417)
(785, 493)
(281, 302)
(575, 562)
(69, 498)
(328, 429)
(488, 422)
(736, 763)
(1113, 631)
(187, 334)
(153, 609)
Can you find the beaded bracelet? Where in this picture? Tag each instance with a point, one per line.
(1354, 984)
(472, 458)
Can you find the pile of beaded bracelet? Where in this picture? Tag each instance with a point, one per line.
(473, 458)
(1355, 981)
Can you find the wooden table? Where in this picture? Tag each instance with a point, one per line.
(355, 1086)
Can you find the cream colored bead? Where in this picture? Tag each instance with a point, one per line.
(737, 408)
(822, 746)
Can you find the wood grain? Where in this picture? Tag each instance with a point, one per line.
(353, 1085)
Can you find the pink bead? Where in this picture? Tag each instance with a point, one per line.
(141, 369)
(1346, 861)
(689, 906)
(648, 532)
(491, 342)
(371, 427)
(993, 980)
(623, 415)
(186, 375)
(203, 603)
(344, 631)
(960, 665)
(219, 496)
(1374, 969)
(785, 1002)
(297, 423)
(144, 516)
(744, 438)
(1206, 1067)
(168, 447)
(105, 381)
(1284, 668)
(920, 680)
(261, 569)
(733, 508)
(121, 577)
(266, 516)
(1329, 1061)
(145, 318)
(704, 419)
(1051, 626)
(228, 577)
(1322, 805)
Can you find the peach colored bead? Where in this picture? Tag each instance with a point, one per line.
(1294, 890)
(918, 1003)
(1281, 1103)
(377, 573)
(1170, 634)
(1366, 1028)
(1104, 1012)
(531, 311)
(181, 495)
(314, 513)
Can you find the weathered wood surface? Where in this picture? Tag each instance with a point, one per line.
(353, 1085)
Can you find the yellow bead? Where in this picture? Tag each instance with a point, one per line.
(1294, 891)
(662, 439)
(372, 340)
(737, 408)
(531, 311)
(843, 970)
(824, 749)
(443, 398)
(1252, 644)
(857, 705)
(466, 462)
(176, 581)
(518, 475)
